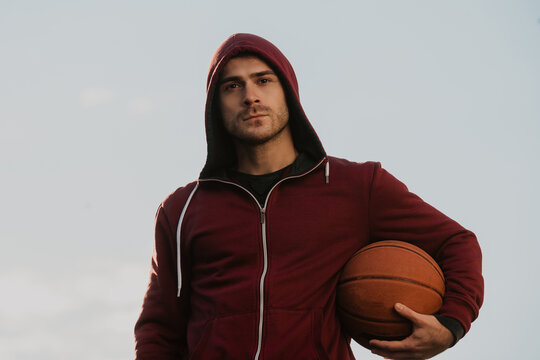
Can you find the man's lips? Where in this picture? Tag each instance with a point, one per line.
(255, 116)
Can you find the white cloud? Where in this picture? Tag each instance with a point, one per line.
(94, 96)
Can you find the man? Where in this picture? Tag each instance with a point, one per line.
(247, 258)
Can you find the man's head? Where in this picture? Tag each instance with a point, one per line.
(286, 111)
(252, 101)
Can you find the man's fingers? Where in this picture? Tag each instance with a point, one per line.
(428, 338)
(407, 312)
(395, 350)
(402, 345)
(396, 355)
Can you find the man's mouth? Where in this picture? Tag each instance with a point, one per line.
(254, 116)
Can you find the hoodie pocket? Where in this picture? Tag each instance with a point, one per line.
(292, 334)
(229, 337)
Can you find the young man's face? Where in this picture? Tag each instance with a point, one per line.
(252, 101)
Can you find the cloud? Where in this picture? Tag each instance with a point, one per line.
(94, 96)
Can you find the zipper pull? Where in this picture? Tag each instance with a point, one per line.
(263, 216)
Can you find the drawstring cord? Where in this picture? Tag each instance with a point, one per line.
(180, 221)
(327, 172)
(178, 241)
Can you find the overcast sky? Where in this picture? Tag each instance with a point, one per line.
(101, 116)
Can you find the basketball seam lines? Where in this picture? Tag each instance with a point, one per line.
(381, 277)
(405, 248)
(398, 321)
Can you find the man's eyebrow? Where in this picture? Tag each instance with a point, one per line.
(254, 75)
(262, 73)
(229, 78)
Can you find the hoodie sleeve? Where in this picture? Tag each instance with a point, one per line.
(160, 331)
(395, 213)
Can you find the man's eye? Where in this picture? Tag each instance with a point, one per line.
(231, 86)
(264, 81)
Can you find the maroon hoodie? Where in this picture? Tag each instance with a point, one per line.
(232, 279)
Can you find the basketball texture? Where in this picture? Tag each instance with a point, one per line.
(380, 275)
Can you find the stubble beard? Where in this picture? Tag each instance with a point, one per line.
(249, 139)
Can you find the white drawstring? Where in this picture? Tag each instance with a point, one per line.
(327, 172)
(180, 221)
(178, 238)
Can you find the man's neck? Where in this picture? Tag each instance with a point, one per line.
(265, 158)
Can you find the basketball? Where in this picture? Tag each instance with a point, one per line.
(380, 275)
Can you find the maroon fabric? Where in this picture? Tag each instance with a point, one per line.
(312, 228)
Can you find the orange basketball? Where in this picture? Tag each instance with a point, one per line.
(380, 275)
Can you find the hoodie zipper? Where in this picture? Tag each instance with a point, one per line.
(262, 217)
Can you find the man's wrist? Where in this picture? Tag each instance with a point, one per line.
(453, 325)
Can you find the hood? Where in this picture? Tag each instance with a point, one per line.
(221, 154)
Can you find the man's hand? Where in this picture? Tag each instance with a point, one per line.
(429, 338)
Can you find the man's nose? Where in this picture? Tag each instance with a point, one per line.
(251, 95)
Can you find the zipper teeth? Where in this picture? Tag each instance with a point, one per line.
(265, 250)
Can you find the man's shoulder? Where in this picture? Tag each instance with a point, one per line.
(351, 173)
(342, 164)
(178, 197)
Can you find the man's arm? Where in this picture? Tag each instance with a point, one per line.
(395, 213)
(160, 331)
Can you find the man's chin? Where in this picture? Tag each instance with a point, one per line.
(261, 137)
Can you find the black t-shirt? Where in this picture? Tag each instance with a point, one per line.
(260, 185)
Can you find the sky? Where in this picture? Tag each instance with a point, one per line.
(101, 116)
